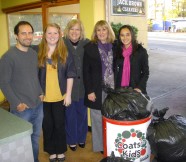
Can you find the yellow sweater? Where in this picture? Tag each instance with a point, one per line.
(53, 92)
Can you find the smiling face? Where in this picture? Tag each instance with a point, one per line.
(75, 33)
(125, 37)
(102, 34)
(52, 36)
(24, 37)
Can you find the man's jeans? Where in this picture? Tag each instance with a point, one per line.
(35, 117)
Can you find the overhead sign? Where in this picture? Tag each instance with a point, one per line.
(128, 7)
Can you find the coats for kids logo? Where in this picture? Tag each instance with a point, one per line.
(131, 145)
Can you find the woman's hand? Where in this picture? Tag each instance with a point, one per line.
(67, 100)
(92, 97)
(137, 89)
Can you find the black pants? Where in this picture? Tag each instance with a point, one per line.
(54, 136)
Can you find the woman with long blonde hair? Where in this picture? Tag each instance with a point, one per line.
(98, 71)
(56, 73)
(76, 115)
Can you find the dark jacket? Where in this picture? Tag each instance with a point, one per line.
(139, 69)
(92, 75)
(64, 72)
(78, 91)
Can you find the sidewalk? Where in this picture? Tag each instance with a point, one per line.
(168, 34)
(167, 82)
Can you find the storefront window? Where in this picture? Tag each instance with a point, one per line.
(34, 19)
(61, 19)
(59, 15)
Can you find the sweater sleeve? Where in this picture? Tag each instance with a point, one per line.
(6, 69)
(71, 69)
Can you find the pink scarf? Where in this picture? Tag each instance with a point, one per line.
(126, 67)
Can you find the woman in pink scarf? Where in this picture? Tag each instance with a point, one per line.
(131, 61)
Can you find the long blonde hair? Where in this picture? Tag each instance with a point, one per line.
(103, 23)
(60, 51)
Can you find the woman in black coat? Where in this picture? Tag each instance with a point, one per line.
(98, 70)
(131, 61)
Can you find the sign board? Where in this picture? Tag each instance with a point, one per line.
(127, 139)
(128, 7)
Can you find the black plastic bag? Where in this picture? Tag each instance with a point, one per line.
(168, 140)
(126, 104)
(116, 159)
(112, 158)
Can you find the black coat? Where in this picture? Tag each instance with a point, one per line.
(92, 75)
(139, 73)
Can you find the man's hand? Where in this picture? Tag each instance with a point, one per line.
(21, 107)
(41, 97)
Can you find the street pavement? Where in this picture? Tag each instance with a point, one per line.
(167, 81)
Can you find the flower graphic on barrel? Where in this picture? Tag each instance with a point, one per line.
(131, 145)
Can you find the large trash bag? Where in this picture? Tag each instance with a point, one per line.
(168, 140)
(116, 159)
(112, 158)
(126, 104)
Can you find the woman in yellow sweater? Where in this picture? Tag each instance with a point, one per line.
(56, 73)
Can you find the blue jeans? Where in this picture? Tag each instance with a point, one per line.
(76, 122)
(35, 117)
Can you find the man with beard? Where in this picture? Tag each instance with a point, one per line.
(20, 84)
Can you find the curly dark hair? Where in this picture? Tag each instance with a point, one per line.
(20, 23)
